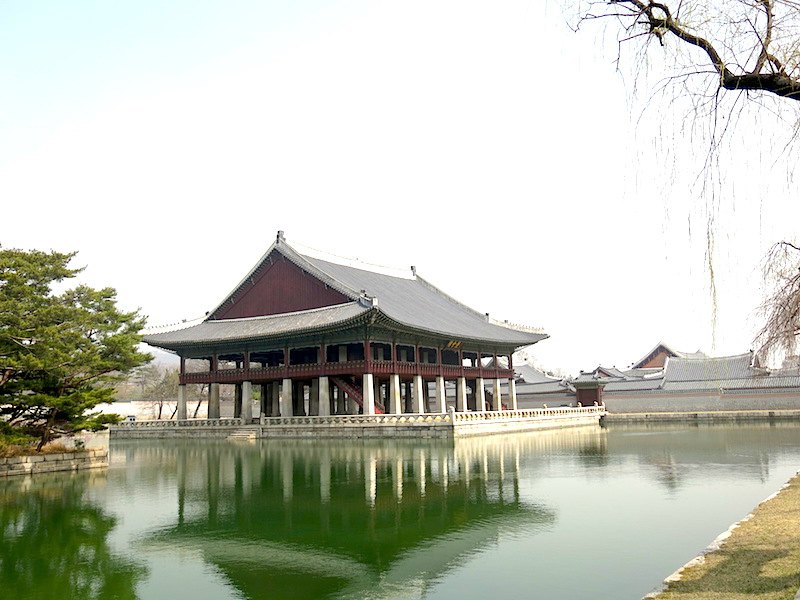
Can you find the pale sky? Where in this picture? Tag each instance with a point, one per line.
(484, 142)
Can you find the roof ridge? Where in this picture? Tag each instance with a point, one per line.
(690, 359)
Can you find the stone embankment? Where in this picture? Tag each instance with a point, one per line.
(451, 424)
(50, 463)
(730, 416)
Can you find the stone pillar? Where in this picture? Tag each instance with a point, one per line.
(480, 395)
(441, 394)
(264, 406)
(339, 401)
(181, 414)
(286, 398)
(213, 401)
(247, 401)
(324, 397)
(368, 390)
(408, 405)
(313, 399)
(512, 393)
(237, 400)
(377, 396)
(394, 395)
(275, 395)
(498, 396)
(418, 400)
(298, 399)
(461, 394)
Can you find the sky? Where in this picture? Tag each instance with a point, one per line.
(512, 160)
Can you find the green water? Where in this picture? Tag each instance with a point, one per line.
(583, 513)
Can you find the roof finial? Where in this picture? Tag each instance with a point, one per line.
(280, 237)
(413, 270)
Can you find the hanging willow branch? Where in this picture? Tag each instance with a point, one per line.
(781, 309)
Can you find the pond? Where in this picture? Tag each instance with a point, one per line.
(576, 513)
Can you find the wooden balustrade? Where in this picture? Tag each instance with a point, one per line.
(357, 367)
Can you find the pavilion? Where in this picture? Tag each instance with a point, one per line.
(323, 339)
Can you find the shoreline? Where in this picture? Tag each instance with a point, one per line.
(706, 416)
(717, 565)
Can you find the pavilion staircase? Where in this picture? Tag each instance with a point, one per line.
(243, 434)
(354, 393)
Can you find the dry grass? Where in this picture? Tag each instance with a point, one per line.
(759, 561)
(9, 450)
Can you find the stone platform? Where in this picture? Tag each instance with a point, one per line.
(50, 463)
(446, 425)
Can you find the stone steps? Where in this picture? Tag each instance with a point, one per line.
(243, 434)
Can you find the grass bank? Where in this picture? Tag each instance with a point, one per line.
(759, 561)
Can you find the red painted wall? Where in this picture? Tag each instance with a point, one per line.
(659, 360)
(279, 288)
(588, 396)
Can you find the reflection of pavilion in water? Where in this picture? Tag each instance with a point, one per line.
(319, 520)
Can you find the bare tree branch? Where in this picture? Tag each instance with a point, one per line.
(658, 21)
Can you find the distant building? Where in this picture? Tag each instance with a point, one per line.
(694, 382)
(657, 357)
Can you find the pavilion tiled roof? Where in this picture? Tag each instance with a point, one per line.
(222, 330)
(414, 302)
(407, 301)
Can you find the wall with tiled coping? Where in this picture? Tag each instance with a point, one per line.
(50, 463)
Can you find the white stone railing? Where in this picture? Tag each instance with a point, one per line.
(172, 424)
(404, 419)
(505, 415)
(451, 418)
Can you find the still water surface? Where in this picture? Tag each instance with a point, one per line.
(573, 514)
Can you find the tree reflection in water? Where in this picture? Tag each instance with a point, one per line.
(54, 542)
